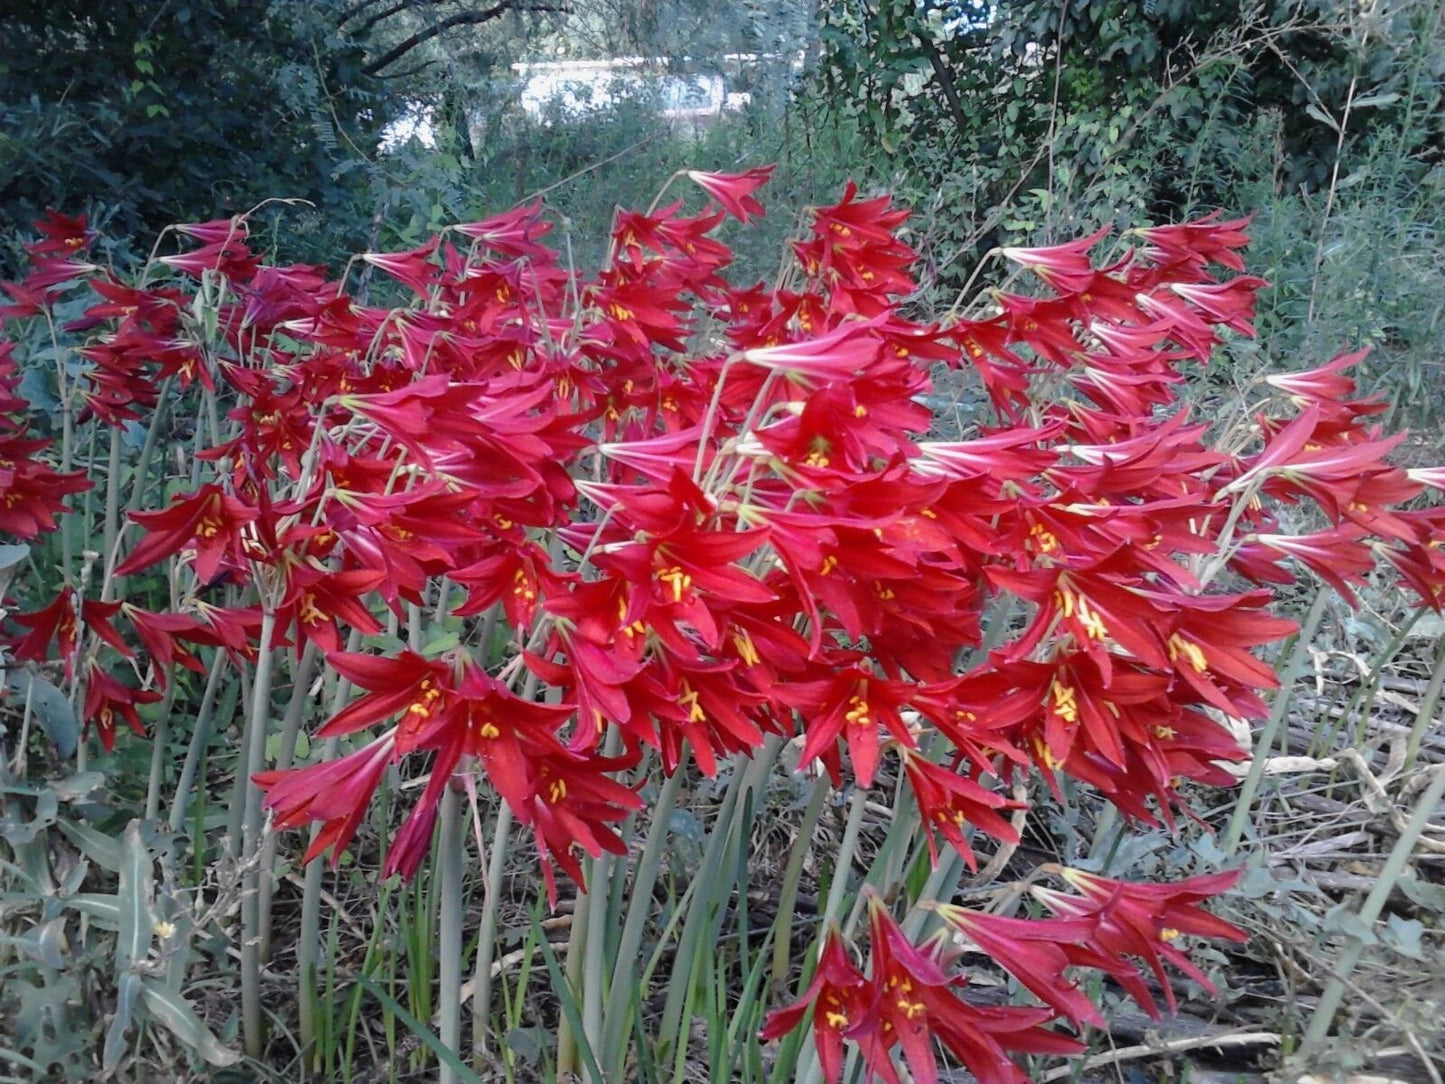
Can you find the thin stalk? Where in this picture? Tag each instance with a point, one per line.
(809, 1070)
(200, 738)
(792, 877)
(568, 1054)
(625, 972)
(1425, 715)
(308, 945)
(1334, 992)
(1264, 744)
(160, 739)
(487, 939)
(252, 1022)
(112, 507)
(451, 847)
(290, 729)
(715, 888)
(594, 954)
(839, 888)
(143, 464)
(601, 871)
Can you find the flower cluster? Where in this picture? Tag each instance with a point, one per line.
(699, 517)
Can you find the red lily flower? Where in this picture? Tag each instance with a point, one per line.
(57, 621)
(852, 704)
(335, 792)
(913, 1002)
(837, 998)
(413, 268)
(734, 190)
(1205, 240)
(106, 698)
(1143, 920)
(1030, 950)
(1065, 267)
(949, 802)
(221, 526)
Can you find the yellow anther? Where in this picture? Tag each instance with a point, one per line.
(679, 580)
(1066, 703)
(747, 650)
(858, 712)
(1179, 647)
(557, 791)
(829, 563)
(688, 700)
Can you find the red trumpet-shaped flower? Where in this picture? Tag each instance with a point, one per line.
(734, 190)
(837, 997)
(219, 526)
(1142, 921)
(335, 792)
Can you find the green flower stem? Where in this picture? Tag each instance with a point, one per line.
(625, 974)
(290, 729)
(568, 1054)
(160, 740)
(143, 464)
(792, 877)
(1425, 715)
(200, 738)
(729, 830)
(112, 510)
(844, 865)
(451, 848)
(254, 744)
(1334, 992)
(308, 947)
(487, 939)
(1264, 742)
(594, 953)
(809, 1071)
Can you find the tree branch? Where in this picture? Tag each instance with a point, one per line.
(463, 18)
(354, 10)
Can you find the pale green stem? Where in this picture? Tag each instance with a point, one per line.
(451, 847)
(1334, 992)
(594, 990)
(308, 946)
(112, 509)
(707, 905)
(290, 730)
(487, 941)
(568, 1054)
(159, 741)
(613, 1050)
(792, 877)
(252, 1022)
(143, 464)
(200, 738)
(844, 865)
(1264, 742)
(1425, 715)
(808, 1068)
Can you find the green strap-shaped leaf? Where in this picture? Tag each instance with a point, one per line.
(136, 924)
(50, 707)
(176, 1014)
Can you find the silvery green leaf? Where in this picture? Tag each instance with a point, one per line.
(128, 989)
(97, 846)
(134, 896)
(50, 707)
(175, 1013)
